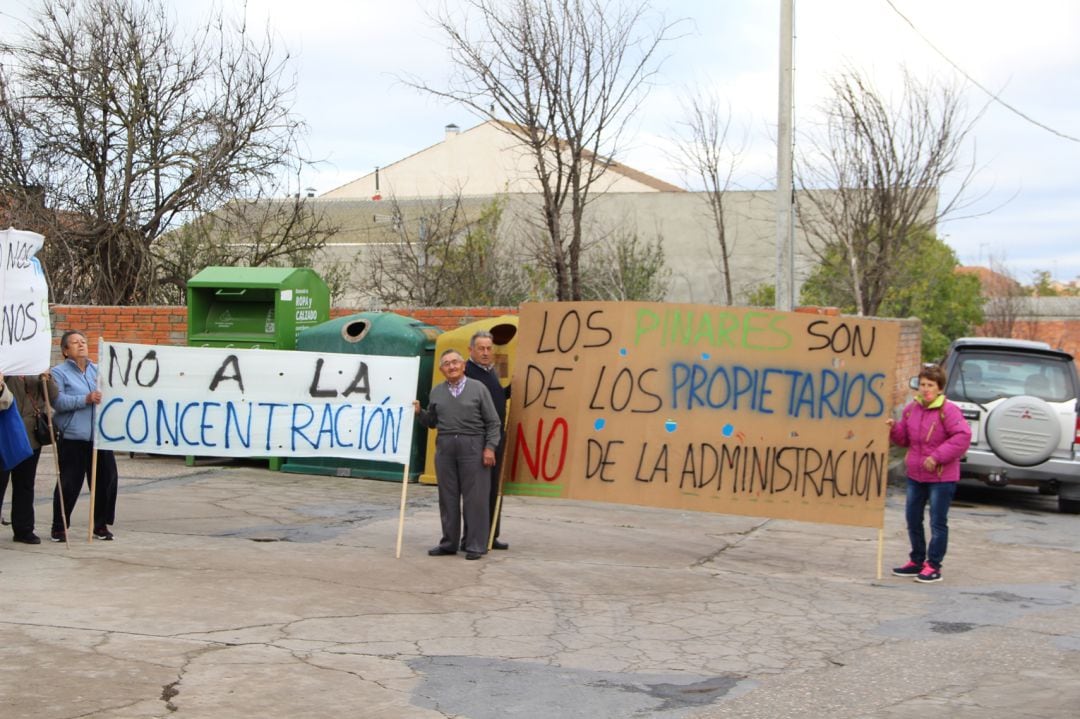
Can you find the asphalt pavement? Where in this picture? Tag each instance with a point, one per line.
(235, 592)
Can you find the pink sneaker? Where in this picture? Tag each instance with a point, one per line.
(928, 574)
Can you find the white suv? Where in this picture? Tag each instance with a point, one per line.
(1020, 399)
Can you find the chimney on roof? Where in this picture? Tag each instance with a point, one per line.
(452, 130)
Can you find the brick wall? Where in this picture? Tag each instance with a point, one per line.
(159, 325)
(908, 359)
(167, 325)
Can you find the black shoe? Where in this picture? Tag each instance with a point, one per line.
(440, 552)
(58, 536)
(473, 555)
(908, 570)
(103, 534)
(28, 538)
(499, 545)
(463, 544)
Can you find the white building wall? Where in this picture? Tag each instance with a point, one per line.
(682, 220)
(684, 223)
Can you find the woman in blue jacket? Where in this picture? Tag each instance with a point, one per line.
(76, 404)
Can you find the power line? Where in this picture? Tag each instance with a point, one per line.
(993, 95)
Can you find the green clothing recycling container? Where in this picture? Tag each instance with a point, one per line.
(254, 307)
(373, 333)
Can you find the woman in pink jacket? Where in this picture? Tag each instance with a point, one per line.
(937, 436)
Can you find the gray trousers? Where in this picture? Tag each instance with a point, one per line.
(464, 483)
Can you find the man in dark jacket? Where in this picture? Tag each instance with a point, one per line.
(481, 366)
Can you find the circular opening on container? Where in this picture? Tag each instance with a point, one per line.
(355, 331)
(502, 334)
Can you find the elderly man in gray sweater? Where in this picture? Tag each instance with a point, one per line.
(468, 428)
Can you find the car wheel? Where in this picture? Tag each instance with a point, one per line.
(1068, 506)
(1023, 431)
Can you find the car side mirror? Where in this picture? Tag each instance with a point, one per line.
(913, 383)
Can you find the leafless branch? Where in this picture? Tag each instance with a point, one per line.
(563, 77)
(703, 153)
(125, 130)
(874, 173)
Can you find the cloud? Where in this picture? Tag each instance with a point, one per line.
(350, 54)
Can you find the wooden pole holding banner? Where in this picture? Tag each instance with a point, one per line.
(498, 503)
(56, 456)
(93, 489)
(495, 516)
(93, 451)
(404, 491)
(880, 549)
(498, 508)
(401, 514)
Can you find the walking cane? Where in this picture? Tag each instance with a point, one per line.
(56, 457)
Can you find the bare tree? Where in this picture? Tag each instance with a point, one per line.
(624, 267)
(247, 233)
(874, 174)
(562, 77)
(123, 130)
(441, 252)
(1006, 300)
(702, 151)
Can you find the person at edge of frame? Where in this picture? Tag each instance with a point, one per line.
(29, 395)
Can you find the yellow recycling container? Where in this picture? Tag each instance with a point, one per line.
(504, 335)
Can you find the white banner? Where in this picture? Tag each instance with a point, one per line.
(25, 333)
(255, 403)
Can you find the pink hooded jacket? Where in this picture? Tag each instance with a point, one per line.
(939, 431)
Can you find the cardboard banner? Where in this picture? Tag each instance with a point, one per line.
(25, 332)
(720, 409)
(255, 403)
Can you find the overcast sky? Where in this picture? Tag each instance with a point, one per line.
(1026, 196)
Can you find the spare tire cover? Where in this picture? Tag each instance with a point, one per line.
(1023, 431)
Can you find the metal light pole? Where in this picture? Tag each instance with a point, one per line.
(785, 250)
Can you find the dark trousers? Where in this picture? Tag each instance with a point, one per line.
(22, 476)
(940, 496)
(463, 486)
(76, 458)
(493, 495)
